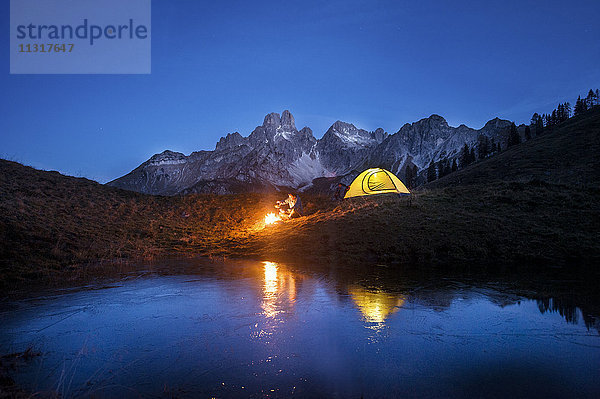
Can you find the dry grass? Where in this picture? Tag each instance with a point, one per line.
(504, 224)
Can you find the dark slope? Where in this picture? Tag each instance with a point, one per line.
(51, 220)
(569, 154)
(50, 223)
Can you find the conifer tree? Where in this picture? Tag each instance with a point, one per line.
(411, 175)
(415, 174)
(552, 118)
(591, 99)
(567, 108)
(454, 166)
(559, 113)
(431, 172)
(464, 156)
(513, 136)
(440, 169)
(563, 112)
(580, 106)
(537, 122)
(445, 168)
(483, 146)
(527, 133)
(408, 177)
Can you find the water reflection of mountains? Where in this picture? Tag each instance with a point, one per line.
(379, 291)
(571, 295)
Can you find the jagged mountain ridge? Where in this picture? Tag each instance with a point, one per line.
(276, 154)
(430, 139)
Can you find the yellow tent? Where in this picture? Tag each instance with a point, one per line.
(376, 181)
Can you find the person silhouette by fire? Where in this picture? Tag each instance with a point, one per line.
(290, 208)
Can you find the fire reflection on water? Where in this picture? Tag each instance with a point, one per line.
(278, 282)
(279, 296)
(269, 304)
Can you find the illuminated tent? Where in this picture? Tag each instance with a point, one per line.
(376, 181)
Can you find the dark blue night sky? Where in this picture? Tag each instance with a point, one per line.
(220, 66)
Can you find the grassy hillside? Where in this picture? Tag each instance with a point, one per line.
(569, 155)
(532, 205)
(507, 224)
(50, 222)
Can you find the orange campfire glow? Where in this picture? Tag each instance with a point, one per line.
(272, 218)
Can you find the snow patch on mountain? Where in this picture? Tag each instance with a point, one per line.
(305, 168)
(284, 134)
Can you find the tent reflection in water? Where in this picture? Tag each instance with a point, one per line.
(375, 305)
(376, 181)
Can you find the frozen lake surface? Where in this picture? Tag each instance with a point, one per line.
(262, 329)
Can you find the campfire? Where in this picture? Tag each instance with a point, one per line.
(271, 218)
(284, 212)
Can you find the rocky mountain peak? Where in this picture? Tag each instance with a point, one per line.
(272, 120)
(342, 127)
(434, 127)
(167, 154)
(497, 123)
(434, 121)
(230, 141)
(348, 134)
(307, 134)
(344, 145)
(287, 120)
(167, 157)
(379, 135)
